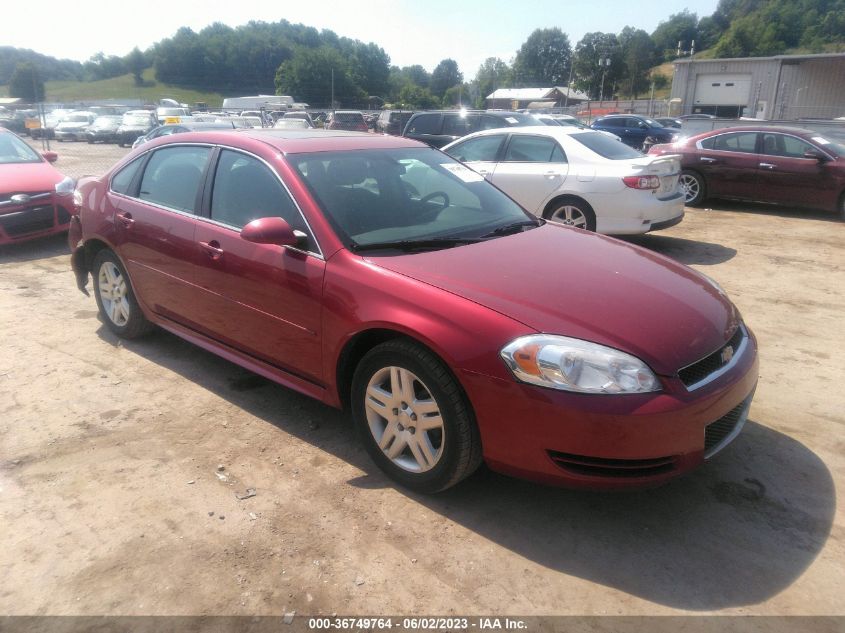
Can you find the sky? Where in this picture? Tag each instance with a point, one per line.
(410, 31)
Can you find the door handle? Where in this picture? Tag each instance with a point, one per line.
(212, 248)
(768, 165)
(126, 219)
(552, 174)
(704, 159)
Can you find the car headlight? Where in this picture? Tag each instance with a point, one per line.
(570, 364)
(65, 187)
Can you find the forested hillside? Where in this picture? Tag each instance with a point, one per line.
(312, 65)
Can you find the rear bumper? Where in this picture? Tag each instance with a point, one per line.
(609, 442)
(640, 213)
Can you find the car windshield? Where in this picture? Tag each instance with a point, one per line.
(604, 145)
(106, 121)
(171, 112)
(136, 119)
(405, 195)
(348, 116)
(14, 150)
(653, 123)
(77, 118)
(834, 146)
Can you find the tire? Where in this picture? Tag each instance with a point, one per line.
(115, 299)
(427, 460)
(571, 212)
(692, 184)
(840, 213)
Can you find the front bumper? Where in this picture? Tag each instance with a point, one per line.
(609, 442)
(38, 219)
(69, 135)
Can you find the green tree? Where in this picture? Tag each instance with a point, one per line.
(638, 55)
(543, 59)
(594, 77)
(412, 96)
(136, 62)
(26, 83)
(444, 76)
(308, 76)
(680, 27)
(492, 75)
(417, 75)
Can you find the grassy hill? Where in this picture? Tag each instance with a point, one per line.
(122, 87)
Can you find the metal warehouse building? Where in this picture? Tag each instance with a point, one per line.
(785, 87)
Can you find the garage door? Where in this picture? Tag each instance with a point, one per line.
(722, 89)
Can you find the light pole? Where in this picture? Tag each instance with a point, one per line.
(604, 62)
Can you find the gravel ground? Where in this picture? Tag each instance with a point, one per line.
(121, 464)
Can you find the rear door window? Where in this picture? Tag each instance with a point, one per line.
(533, 149)
(456, 125)
(173, 175)
(745, 142)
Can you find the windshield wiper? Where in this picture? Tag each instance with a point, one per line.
(515, 227)
(412, 245)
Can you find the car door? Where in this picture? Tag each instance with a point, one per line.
(260, 298)
(729, 163)
(786, 176)
(532, 168)
(155, 200)
(480, 153)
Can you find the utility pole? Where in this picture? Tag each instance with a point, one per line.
(332, 89)
(604, 62)
(568, 84)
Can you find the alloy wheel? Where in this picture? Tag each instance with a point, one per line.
(404, 419)
(690, 186)
(113, 293)
(570, 215)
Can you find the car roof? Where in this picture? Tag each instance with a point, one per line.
(798, 131)
(296, 141)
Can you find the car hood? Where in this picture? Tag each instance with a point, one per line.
(28, 178)
(566, 281)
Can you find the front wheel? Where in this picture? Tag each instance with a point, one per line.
(693, 187)
(115, 299)
(572, 213)
(413, 417)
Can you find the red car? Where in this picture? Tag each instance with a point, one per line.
(35, 199)
(380, 275)
(780, 165)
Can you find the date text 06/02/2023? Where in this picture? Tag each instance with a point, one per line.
(417, 623)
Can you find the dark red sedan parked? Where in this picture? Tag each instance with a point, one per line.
(35, 198)
(380, 275)
(780, 165)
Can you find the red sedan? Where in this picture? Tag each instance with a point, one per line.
(380, 275)
(780, 165)
(35, 199)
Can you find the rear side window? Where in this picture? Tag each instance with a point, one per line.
(173, 175)
(745, 142)
(612, 122)
(245, 189)
(533, 149)
(424, 124)
(122, 180)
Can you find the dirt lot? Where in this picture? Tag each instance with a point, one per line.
(112, 500)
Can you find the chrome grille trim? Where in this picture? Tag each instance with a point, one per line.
(739, 352)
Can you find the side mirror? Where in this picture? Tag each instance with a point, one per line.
(814, 154)
(50, 157)
(273, 230)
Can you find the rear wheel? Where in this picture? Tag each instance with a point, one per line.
(115, 299)
(692, 185)
(572, 212)
(841, 211)
(413, 417)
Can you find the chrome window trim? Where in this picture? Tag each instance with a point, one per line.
(738, 353)
(319, 252)
(727, 151)
(212, 146)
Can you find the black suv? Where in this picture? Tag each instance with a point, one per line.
(633, 129)
(439, 128)
(392, 121)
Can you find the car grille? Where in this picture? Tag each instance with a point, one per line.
(28, 221)
(619, 468)
(698, 372)
(718, 434)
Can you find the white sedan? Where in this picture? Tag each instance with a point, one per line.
(578, 177)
